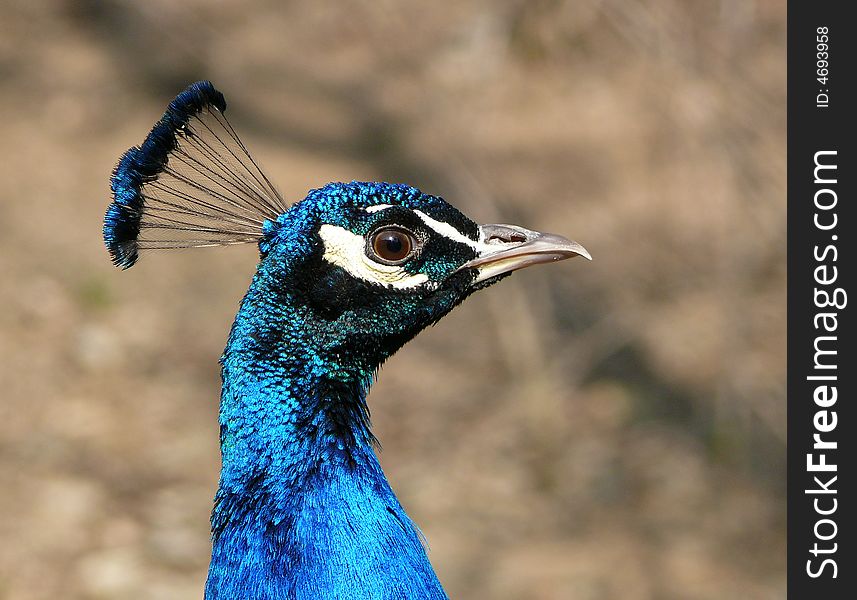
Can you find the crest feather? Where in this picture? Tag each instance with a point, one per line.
(191, 183)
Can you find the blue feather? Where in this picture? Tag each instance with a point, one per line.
(303, 509)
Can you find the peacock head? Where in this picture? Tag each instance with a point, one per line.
(375, 262)
(387, 260)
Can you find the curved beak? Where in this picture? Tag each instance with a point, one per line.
(506, 248)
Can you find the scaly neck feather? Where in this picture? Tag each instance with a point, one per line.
(303, 509)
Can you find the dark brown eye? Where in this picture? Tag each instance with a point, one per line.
(392, 246)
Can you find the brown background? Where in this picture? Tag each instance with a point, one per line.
(613, 429)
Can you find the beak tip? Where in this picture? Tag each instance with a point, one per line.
(579, 250)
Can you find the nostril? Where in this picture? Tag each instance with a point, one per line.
(504, 234)
(507, 237)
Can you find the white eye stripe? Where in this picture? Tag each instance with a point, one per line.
(348, 250)
(448, 231)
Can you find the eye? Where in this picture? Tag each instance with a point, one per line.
(391, 246)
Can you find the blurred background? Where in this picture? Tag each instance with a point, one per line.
(613, 429)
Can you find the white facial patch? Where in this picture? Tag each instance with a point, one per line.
(348, 250)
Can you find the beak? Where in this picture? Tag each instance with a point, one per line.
(506, 248)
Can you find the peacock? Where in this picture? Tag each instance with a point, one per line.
(345, 278)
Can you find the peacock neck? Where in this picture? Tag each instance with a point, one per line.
(303, 509)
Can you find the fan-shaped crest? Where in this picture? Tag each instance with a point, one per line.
(191, 183)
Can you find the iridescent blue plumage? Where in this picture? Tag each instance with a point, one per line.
(346, 277)
(294, 422)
